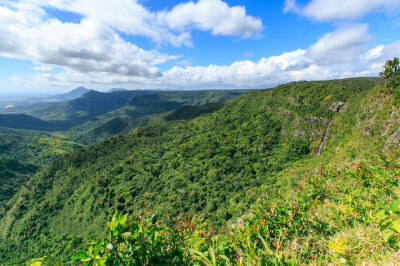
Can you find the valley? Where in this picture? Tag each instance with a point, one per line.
(199, 154)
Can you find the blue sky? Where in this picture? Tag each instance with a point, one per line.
(49, 47)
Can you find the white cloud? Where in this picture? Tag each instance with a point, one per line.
(342, 45)
(343, 53)
(94, 44)
(322, 10)
(164, 27)
(42, 68)
(88, 46)
(267, 72)
(214, 15)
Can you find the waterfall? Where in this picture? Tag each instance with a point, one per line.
(323, 141)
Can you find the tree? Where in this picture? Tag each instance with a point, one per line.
(391, 73)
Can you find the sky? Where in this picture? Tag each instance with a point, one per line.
(53, 46)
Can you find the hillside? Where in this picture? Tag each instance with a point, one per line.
(22, 121)
(13, 174)
(214, 166)
(90, 104)
(23, 153)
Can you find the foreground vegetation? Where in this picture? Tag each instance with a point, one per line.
(349, 215)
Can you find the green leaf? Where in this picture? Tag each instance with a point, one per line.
(394, 206)
(266, 248)
(113, 225)
(383, 206)
(381, 215)
(126, 236)
(202, 257)
(98, 245)
(90, 251)
(101, 262)
(80, 255)
(122, 219)
(212, 253)
(388, 236)
(227, 260)
(396, 226)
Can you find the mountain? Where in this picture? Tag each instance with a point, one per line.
(76, 93)
(89, 105)
(143, 110)
(214, 166)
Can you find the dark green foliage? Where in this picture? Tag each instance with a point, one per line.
(13, 174)
(142, 110)
(190, 112)
(213, 166)
(91, 104)
(197, 98)
(391, 73)
(22, 121)
(22, 153)
(334, 216)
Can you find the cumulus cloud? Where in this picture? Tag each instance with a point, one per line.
(213, 15)
(343, 45)
(343, 53)
(88, 46)
(315, 63)
(171, 27)
(94, 44)
(322, 10)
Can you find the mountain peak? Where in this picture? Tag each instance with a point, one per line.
(82, 90)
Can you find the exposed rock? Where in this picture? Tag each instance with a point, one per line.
(337, 107)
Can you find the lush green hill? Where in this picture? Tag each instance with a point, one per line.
(345, 216)
(22, 121)
(90, 104)
(145, 109)
(13, 174)
(214, 166)
(23, 152)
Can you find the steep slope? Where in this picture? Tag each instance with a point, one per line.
(13, 174)
(214, 166)
(23, 153)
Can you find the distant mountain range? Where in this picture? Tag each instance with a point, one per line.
(24, 104)
(90, 115)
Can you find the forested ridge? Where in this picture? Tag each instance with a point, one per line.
(212, 178)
